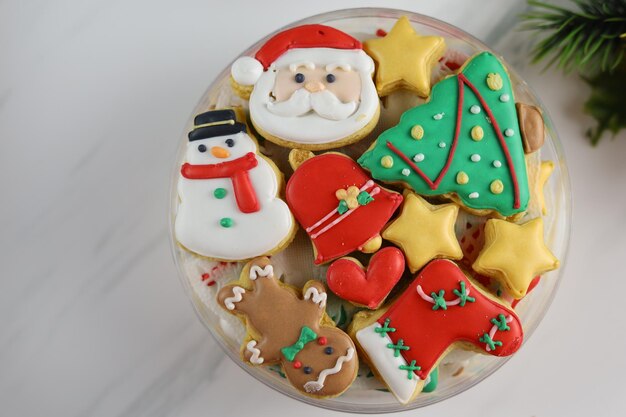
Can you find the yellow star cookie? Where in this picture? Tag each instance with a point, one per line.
(545, 170)
(405, 59)
(514, 254)
(424, 231)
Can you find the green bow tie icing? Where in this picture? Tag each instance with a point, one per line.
(465, 140)
(306, 335)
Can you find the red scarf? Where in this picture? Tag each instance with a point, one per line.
(237, 171)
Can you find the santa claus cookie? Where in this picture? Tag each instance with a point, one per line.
(309, 87)
(288, 327)
(440, 310)
(340, 207)
(468, 142)
(229, 206)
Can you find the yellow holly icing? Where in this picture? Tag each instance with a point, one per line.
(494, 81)
(424, 231)
(386, 161)
(417, 132)
(348, 195)
(404, 59)
(477, 133)
(514, 254)
(496, 187)
(462, 178)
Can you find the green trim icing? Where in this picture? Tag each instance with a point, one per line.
(364, 198)
(436, 143)
(410, 368)
(500, 322)
(438, 301)
(398, 347)
(385, 328)
(485, 338)
(306, 335)
(342, 207)
(462, 294)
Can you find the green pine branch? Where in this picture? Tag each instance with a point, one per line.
(588, 40)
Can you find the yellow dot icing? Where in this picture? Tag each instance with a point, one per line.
(417, 132)
(386, 161)
(494, 81)
(477, 133)
(462, 178)
(496, 186)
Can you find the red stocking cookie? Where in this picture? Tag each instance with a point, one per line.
(440, 310)
(291, 328)
(339, 205)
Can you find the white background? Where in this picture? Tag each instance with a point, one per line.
(93, 321)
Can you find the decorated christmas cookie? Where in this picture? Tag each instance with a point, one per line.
(229, 205)
(369, 286)
(340, 207)
(440, 310)
(514, 254)
(405, 59)
(290, 328)
(466, 142)
(424, 231)
(310, 87)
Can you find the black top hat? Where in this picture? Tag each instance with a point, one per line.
(215, 123)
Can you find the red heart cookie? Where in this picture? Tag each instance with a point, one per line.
(347, 278)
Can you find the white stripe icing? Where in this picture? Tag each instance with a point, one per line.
(387, 365)
(230, 301)
(314, 386)
(318, 298)
(428, 298)
(256, 353)
(256, 271)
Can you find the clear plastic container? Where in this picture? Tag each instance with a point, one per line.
(460, 370)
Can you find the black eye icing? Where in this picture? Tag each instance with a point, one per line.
(230, 143)
(330, 78)
(299, 77)
(307, 370)
(201, 148)
(329, 350)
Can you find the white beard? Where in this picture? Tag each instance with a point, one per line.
(324, 103)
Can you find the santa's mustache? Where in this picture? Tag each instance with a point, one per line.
(324, 103)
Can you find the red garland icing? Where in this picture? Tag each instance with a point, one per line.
(462, 80)
(305, 36)
(429, 333)
(237, 171)
(349, 281)
(310, 194)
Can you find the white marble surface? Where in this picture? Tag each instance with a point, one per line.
(93, 97)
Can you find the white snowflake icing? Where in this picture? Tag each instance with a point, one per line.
(439, 116)
(442, 144)
(474, 109)
(504, 98)
(419, 157)
(474, 195)
(406, 172)
(508, 132)
(475, 157)
(497, 163)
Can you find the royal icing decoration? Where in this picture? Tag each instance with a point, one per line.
(514, 254)
(335, 229)
(229, 206)
(312, 88)
(409, 339)
(369, 287)
(478, 123)
(424, 231)
(405, 59)
(318, 359)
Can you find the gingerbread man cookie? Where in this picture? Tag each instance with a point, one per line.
(290, 327)
(440, 310)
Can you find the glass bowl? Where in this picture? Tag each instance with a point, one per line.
(460, 370)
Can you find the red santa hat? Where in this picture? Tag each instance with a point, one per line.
(317, 44)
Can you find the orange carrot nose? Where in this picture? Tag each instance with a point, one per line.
(314, 86)
(219, 152)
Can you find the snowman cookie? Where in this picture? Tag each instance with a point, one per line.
(289, 327)
(339, 206)
(309, 87)
(229, 206)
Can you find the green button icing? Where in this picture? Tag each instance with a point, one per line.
(220, 193)
(226, 222)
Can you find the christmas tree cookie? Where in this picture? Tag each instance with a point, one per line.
(465, 143)
(440, 310)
